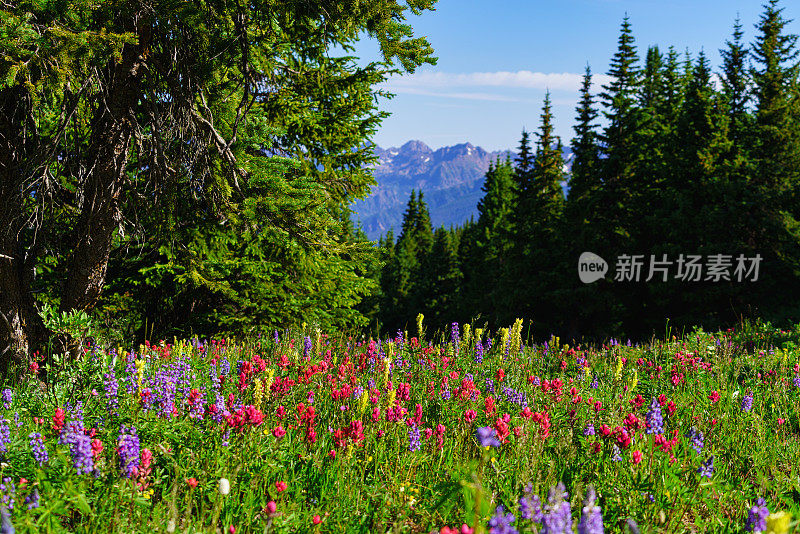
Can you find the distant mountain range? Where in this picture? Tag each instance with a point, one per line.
(450, 179)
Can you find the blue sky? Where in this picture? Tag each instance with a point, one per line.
(497, 59)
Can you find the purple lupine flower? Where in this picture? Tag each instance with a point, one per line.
(81, 451)
(454, 337)
(307, 346)
(5, 522)
(128, 449)
(515, 397)
(479, 353)
(796, 381)
(757, 518)
(8, 398)
(557, 513)
(130, 373)
(38, 449)
(8, 490)
(198, 406)
(500, 523)
(111, 388)
(595, 384)
(530, 506)
(446, 394)
(5, 435)
(654, 418)
(413, 438)
(488, 345)
(276, 337)
(73, 427)
(224, 366)
(696, 437)
(589, 430)
(32, 500)
(17, 422)
(490, 385)
(747, 401)
(591, 521)
(487, 437)
(706, 468)
(617, 456)
(225, 437)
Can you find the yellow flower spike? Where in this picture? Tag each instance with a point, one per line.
(618, 371)
(516, 337)
(386, 363)
(420, 317)
(778, 523)
(362, 405)
(503, 338)
(258, 393)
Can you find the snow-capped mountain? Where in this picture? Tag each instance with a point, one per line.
(450, 179)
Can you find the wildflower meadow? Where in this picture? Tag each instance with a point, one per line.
(472, 431)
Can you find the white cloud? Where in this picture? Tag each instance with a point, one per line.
(426, 81)
(412, 90)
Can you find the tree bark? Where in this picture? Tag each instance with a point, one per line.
(112, 131)
(21, 327)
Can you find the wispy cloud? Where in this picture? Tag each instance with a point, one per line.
(429, 81)
(413, 90)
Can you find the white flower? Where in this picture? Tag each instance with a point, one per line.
(224, 486)
(171, 525)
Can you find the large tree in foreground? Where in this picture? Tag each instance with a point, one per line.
(117, 116)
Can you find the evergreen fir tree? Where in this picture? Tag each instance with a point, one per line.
(585, 151)
(485, 245)
(440, 279)
(531, 271)
(735, 85)
(776, 142)
(524, 161)
(619, 100)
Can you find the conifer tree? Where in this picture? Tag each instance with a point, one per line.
(619, 100)
(399, 283)
(423, 230)
(524, 160)
(485, 245)
(537, 216)
(735, 86)
(585, 174)
(618, 139)
(440, 279)
(776, 141)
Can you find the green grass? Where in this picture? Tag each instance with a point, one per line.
(369, 480)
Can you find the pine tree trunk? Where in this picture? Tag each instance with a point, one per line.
(21, 328)
(112, 133)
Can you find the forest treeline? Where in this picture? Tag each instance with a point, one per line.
(673, 161)
(178, 169)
